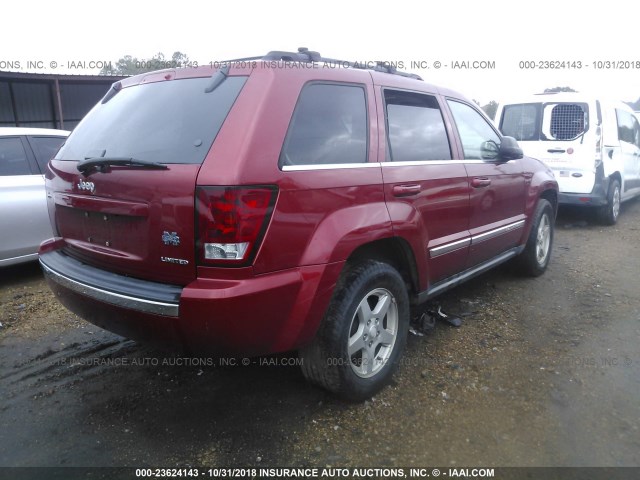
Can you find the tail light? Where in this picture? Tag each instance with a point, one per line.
(232, 222)
(598, 159)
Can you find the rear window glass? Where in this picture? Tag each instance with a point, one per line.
(567, 121)
(416, 127)
(329, 126)
(521, 121)
(13, 159)
(167, 122)
(545, 121)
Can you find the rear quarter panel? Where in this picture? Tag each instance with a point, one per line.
(321, 215)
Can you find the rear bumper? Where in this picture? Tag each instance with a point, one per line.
(582, 199)
(117, 290)
(259, 315)
(597, 197)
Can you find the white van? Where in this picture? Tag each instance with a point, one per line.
(592, 146)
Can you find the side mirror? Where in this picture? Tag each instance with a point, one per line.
(509, 149)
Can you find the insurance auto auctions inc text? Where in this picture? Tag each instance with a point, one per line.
(371, 472)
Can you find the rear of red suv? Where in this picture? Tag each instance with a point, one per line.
(161, 201)
(132, 226)
(277, 204)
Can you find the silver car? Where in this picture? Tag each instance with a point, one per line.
(24, 218)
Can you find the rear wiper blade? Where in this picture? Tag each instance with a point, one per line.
(85, 166)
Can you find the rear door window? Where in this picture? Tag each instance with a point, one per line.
(172, 121)
(13, 158)
(329, 126)
(415, 126)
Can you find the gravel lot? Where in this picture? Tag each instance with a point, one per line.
(543, 372)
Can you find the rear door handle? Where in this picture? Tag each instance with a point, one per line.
(406, 190)
(479, 182)
(556, 150)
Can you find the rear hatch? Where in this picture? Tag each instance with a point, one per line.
(566, 136)
(122, 188)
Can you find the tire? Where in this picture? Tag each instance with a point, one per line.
(611, 211)
(535, 257)
(363, 334)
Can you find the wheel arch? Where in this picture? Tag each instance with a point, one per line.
(616, 176)
(551, 196)
(394, 251)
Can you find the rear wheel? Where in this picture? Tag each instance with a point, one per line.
(536, 255)
(363, 334)
(611, 211)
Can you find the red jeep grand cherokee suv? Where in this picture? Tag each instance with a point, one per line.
(286, 202)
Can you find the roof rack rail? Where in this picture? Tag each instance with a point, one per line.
(304, 55)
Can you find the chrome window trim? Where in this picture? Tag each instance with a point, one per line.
(385, 164)
(328, 166)
(441, 162)
(428, 162)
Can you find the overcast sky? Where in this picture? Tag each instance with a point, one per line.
(505, 33)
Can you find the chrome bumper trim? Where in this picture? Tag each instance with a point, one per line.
(133, 303)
